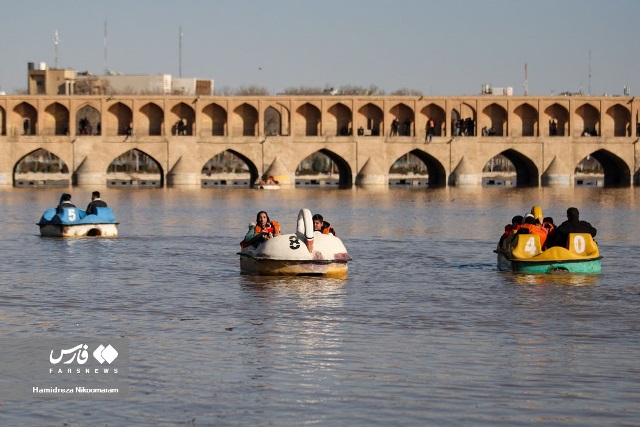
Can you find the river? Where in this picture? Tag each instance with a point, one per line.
(424, 331)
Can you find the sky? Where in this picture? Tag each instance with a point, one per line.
(439, 48)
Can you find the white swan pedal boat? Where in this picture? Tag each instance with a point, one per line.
(303, 253)
(74, 222)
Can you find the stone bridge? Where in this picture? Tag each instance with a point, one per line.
(544, 137)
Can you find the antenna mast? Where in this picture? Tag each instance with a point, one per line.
(106, 69)
(589, 73)
(55, 48)
(180, 54)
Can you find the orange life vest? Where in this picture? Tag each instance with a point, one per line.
(275, 228)
(536, 229)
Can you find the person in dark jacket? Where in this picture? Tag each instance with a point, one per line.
(96, 202)
(573, 224)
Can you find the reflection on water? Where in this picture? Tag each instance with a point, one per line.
(424, 331)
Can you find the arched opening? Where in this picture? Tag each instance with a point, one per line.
(214, 120)
(417, 168)
(29, 118)
(246, 122)
(120, 120)
(151, 120)
(56, 120)
(435, 117)
(309, 125)
(463, 120)
(497, 117)
(340, 120)
(373, 116)
(616, 172)
(403, 119)
(41, 168)
(526, 171)
(588, 121)
(183, 118)
(618, 121)
(228, 169)
(558, 118)
(88, 121)
(272, 122)
(3, 121)
(589, 172)
(135, 168)
(499, 171)
(528, 121)
(324, 168)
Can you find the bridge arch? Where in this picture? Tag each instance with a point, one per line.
(133, 165)
(150, 120)
(435, 169)
(40, 165)
(497, 116)
(310, 120)
(527, 125)
(214, 120)
(373, 116)
(119, 119)
(272, 122)
(527, 173)
(245, 120)
(616, 171)
(28, 115)
(437, 114)
(340, 120)
(587, 120)
(253, 169)
(345, 172)
(617, 120)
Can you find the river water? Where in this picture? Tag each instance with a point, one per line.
(424, 331)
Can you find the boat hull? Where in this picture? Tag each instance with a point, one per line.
(79, 230)
(269, 267)
(587, 266)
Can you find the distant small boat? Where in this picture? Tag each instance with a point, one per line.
(266, 186)
(74, 222)
(303, 253)
(526, 255)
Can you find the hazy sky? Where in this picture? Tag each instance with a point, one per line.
(441, 47)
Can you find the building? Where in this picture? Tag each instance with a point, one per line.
(43, 80)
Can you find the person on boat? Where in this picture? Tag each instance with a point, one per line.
(264, 230)
(319, 224)
(573, 224)
(96, 202)
(516, 222)
(529, 226)
(65, 202)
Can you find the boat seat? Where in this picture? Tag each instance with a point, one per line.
(526, 246)
(69, 215)
(581, 244)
